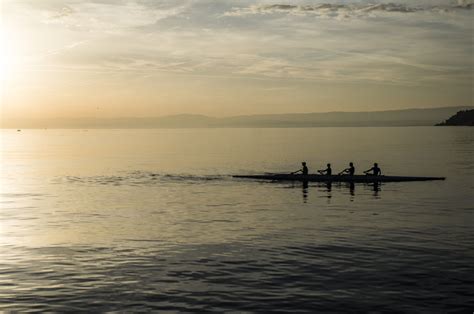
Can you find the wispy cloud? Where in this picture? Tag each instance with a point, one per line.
(65, 48)
(345, 10)
(399, 44)
(107, 16)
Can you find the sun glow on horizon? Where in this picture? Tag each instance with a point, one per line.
(140, 58)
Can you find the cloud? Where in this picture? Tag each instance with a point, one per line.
(62, 13)
(410, 42)
(107, 16)
(65, 48)
(466, 4)
(344, 10)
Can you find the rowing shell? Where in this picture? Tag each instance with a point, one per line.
(336, 178)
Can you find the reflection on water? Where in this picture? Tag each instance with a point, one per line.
(376, 187)
(141, 178)
(325, 188)
(305, 191)
(141, 220)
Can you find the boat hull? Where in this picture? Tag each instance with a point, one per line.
(336, 178)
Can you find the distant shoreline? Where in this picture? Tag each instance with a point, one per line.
(391, 118)
(461, 118)
(216, 128)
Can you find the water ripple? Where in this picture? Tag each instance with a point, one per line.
(137, 178)
(236, 276)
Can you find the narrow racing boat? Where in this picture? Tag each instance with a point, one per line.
(335, 178)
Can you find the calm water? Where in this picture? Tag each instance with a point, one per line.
(152, 219)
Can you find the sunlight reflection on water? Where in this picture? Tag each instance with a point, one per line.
(152, 219)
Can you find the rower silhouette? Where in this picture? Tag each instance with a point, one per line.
(376, 171)
(327, 171)
(304, 170)
(350, 171)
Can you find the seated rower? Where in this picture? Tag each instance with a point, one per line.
(350, 171)
(327, 171)
(376, 171)
(303, 170)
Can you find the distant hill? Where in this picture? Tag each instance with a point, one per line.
(407, 117)
(461, 118)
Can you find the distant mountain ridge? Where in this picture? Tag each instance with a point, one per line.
(405, 117)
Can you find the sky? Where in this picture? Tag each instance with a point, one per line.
(141, 58)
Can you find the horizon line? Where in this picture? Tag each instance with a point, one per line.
(242, 115)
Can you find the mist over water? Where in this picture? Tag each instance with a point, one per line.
(152, 219)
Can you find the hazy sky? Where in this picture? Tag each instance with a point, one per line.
(100, 58)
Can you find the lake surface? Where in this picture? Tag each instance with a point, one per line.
(135, 220)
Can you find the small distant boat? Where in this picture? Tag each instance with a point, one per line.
(336, 178)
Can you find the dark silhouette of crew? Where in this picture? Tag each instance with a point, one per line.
(350, 171)
(327, 171)
(303, 170)
(376, 171)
